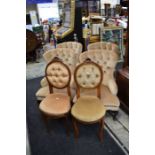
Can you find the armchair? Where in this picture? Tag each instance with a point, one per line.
(76, 46)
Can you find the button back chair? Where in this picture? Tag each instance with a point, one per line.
(88, 109)
(76, 46)
(56, 105)
(68, 57)
(107, 59)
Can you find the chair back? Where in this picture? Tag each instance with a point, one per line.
(88, 75)
(58, 75)
(76, 46)
(104, 46)
(107, 59)
(66, 55)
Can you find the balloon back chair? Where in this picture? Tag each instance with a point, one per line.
(56, 105)
(68, 57)
(88, 109)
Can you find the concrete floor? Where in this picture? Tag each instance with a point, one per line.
(118, 129)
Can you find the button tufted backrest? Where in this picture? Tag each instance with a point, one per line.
(57, 74)
(76, 46)
(88, 75)
(107, 59)
(66, 55)
(104, 46)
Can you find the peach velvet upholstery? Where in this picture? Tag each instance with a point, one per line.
(44, 91)
(58, 75)
(55, 104)
(76, 46)
(66, 55)
(110, 101)
(88, 109)
(107, 59)
(88, 76)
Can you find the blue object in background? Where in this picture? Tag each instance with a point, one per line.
(38, 1)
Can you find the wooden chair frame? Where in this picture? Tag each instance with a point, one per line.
(46, 116)
(98, 87)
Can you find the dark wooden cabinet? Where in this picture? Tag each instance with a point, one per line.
(122, 79)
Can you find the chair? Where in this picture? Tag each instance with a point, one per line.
(107, 59)
(103, 46)
(67, 56)
(88, 109)
(56, 105)
(76, 46)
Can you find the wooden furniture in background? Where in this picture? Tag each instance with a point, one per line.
(122, 79)
(32, 43)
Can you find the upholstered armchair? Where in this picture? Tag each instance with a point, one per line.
(56, 105)
(68, 57)
(107, 59)
(103, 46)
(88, 109)
(71, 45)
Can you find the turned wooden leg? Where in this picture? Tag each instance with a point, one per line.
(101, 128)
(76, 130)
(66, 125)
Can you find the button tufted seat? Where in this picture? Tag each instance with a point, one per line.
(55, 104)
(88, 109)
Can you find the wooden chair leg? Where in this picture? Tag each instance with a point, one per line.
(66, 125)
(101, 128)
(76, 130)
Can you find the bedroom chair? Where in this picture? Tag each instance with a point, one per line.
(107, 59)
(88, 109)
(67, 56)
(56, 105)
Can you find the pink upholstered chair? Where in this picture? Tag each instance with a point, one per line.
(107, 59)
(56, 105)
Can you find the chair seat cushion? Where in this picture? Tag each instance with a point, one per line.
(55, 104)
(88, 109)
(110, 101)
(44, 91)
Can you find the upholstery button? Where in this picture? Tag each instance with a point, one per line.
(97, 75)
(105, 63)
(88, 75)
(79, 76)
